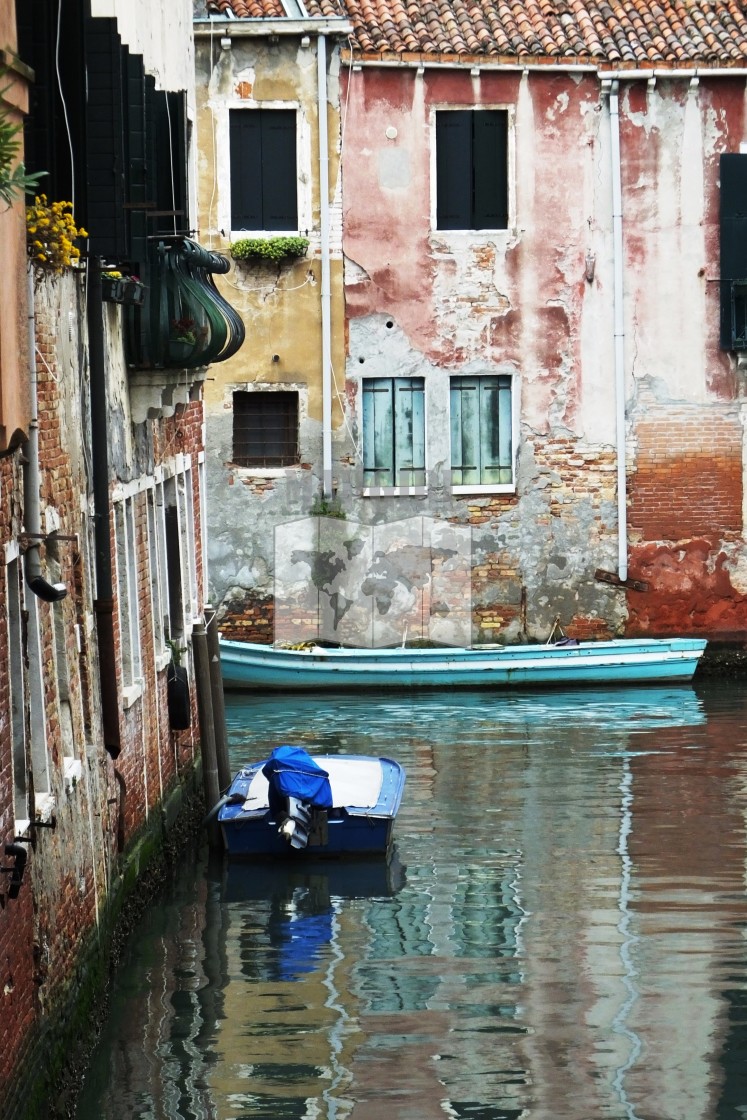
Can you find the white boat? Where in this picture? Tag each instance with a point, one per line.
(246, 665)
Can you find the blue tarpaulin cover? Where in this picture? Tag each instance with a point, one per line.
(293, 773)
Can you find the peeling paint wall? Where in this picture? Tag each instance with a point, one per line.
(281, 304)
(535, 302)
(538, 298)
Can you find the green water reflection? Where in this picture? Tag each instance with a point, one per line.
(560, 934)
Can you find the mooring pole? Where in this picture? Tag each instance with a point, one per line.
(219, 707)
(210, 781)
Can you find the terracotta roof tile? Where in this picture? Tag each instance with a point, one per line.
(637, 32)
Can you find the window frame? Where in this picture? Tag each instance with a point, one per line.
(128, 599)
(395, 486)
(227, 204)
(486, 487)
(474, 231)
(265, 394)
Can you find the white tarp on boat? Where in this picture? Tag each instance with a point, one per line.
(354, 782)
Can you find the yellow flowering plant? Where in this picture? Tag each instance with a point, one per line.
(51, 234)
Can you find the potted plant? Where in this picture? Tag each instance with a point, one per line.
(182, 338)
(269, 248)
(51, 233)
(112, 286)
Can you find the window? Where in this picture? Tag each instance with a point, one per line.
(16, 677)
(481, 431)
(472, 169)
(394, 431)
(733, 220)
(263, 169)
(127, 587)
(265, 428)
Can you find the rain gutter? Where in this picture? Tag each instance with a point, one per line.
(325, 259)
(618, 308)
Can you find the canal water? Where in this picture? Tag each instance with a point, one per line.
(561, 933)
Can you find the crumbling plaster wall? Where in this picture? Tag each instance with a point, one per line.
(538, 299)
(281, 305)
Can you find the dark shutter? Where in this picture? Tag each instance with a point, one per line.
(264, 186)
(453, 169)
(137, 158)
(105, 136)
(733, 213)
(490, 162)
(472, 169)
(279, 177)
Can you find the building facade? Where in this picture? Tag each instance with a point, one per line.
(540, 291)
(101, 500)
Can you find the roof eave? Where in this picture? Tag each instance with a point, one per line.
(257, 28)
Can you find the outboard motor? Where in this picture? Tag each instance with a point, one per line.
(298, 787)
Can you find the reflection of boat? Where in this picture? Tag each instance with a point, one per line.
(566, 663)
(296, 804)
(329, 879)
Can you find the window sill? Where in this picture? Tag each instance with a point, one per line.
(478, 491)
(73, 773)
(394, 492)
(131, 693)
(478, 236)
(162, 660)
(43, 806)
(263, 472)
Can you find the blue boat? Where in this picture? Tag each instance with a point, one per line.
(567, 663)
(297, 805)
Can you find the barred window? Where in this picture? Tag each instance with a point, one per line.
(265, 428)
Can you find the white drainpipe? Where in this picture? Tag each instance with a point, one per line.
(619, 330)
(326, 307)
(50, 592)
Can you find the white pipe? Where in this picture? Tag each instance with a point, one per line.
(619, 330)
(50, 592)
(326, 306)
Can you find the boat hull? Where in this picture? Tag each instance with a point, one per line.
(351, 830)
(623, 661)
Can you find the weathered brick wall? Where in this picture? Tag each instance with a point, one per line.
(685, 520)
(107, 805)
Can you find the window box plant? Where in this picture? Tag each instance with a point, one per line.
(276, 249)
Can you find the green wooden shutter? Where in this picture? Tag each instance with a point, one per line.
(453, 169)
(378, 432)
(409, 431)
(465, 431)
(490, 164)
(495, 430)
(481, 431)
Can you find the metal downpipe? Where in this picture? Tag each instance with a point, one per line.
(619, 330)
(321, 59)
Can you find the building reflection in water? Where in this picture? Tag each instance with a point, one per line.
(560, 934)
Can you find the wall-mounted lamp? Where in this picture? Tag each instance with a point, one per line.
(305, 41)
(590, 266)
(225, 42)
